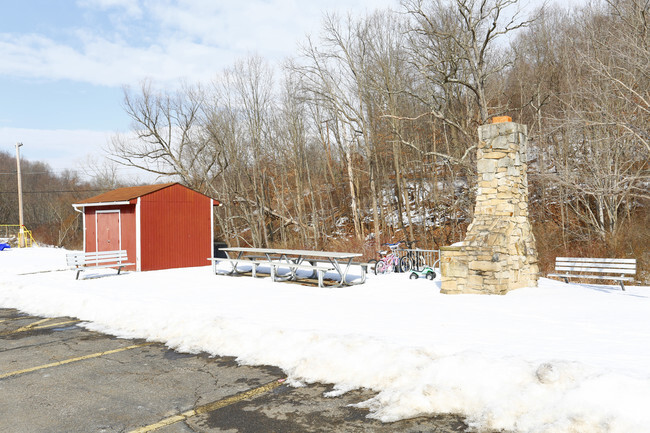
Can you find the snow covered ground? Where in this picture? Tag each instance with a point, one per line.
(556, 358)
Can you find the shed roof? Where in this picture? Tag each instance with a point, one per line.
(126, 194)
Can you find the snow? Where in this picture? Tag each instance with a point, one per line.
(555, 358)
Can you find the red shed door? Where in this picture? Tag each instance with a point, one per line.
(108, 230)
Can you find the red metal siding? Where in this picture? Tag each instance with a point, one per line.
(127, 222)
(175, 229)
(90, 235)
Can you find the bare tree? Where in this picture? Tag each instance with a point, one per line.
(602, 131)
(584, 76)
(336, 80)
(457, 43)
(619, 59)
(390, 75)
(168, 136)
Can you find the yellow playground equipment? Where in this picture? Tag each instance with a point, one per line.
(18, 234)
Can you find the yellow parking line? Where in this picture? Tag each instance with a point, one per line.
(26, 327)
(68, 361)
(210, 406)
(33, 326)
(52, 325)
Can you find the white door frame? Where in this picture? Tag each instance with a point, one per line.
(138, 235)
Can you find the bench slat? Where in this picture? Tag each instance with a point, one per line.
(598, 260)
(93, 259)
(98, 257)
(98, 253)
(102, 265)
(296, 266)
(598, 277)
(106, 257)
(590, 269)
(238, 261)
(103, 253)
(598, 265)
(110, 265)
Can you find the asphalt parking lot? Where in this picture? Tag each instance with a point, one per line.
(58, 377)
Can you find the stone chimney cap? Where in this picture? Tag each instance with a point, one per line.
(501, 119)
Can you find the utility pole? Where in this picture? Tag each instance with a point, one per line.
(21, 233)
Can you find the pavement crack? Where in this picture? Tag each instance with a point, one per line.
(29, 346)
(189, 426)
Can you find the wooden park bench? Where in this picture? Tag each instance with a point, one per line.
(100, 259)
(608, 269)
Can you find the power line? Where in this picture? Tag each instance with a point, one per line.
(50, 192)
(61, 170)
(33, 172)
(52, 172)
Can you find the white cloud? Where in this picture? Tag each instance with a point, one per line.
(167, 41)
(130, 7)
(107, 63)
(195, 39)
(272, 28)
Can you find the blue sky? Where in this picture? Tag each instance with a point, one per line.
(63, 63)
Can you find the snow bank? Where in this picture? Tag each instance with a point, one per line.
(557, 358)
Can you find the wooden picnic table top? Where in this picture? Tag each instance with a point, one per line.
(301, 253)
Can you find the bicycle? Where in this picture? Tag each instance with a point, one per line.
(389, 262)
(412, 260)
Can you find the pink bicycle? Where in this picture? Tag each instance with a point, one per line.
(389, 262)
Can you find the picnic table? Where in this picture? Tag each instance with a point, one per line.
(291, 259)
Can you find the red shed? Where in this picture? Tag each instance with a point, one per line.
(160, 226)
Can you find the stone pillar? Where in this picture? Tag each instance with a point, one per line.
(498, 253)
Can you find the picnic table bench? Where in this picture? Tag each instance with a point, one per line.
(608, 269)
(99, 259)
(293, 267)
(293, 260)
(235, 262)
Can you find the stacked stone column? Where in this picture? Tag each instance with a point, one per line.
(498, 253)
